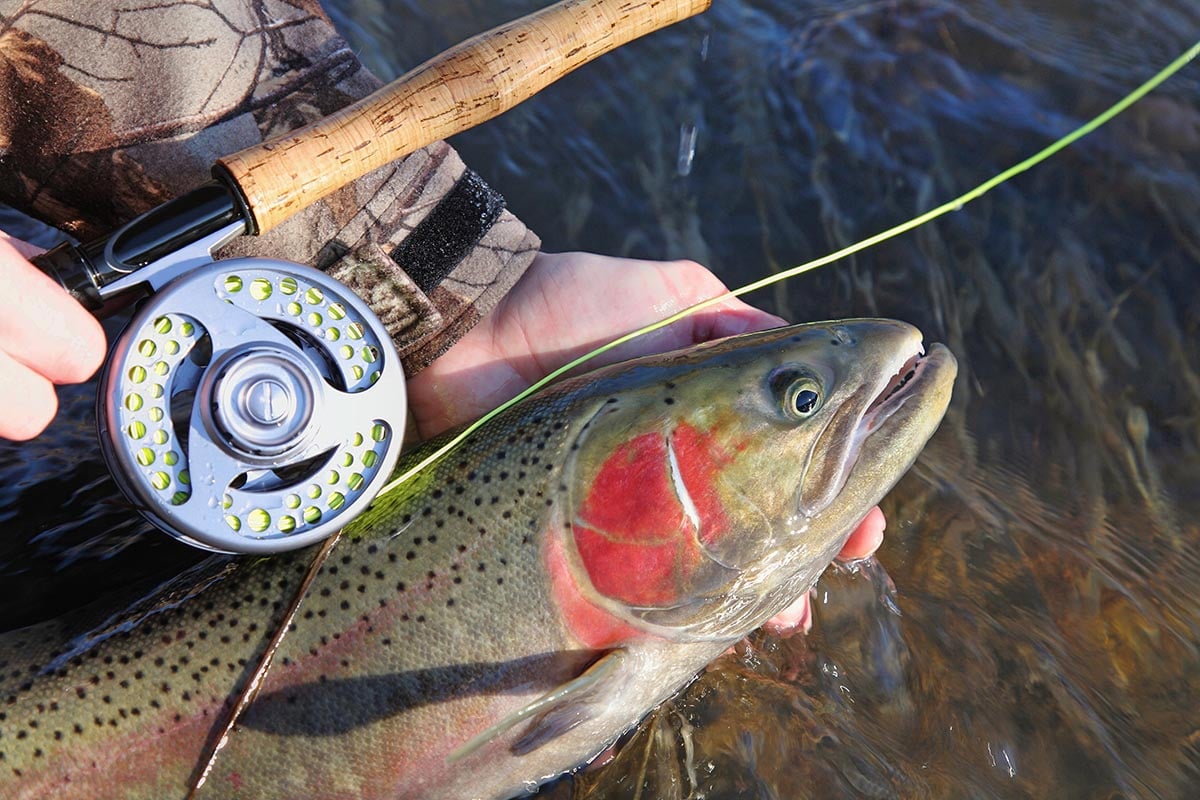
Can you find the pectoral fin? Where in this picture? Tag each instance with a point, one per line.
(553, 713)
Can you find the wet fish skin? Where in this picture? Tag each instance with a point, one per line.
(503, 575)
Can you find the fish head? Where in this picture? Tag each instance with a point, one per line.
(711, 487)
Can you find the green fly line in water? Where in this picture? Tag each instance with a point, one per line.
(953, 205)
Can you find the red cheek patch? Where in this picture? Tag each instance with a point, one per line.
(700, 459)
(635, 537)
(631, 499)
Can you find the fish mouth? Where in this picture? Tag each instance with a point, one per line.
(902, 385)
(909, 392)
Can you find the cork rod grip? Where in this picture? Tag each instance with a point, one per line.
(464, 86)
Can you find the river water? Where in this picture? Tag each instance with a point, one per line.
(1031, 626)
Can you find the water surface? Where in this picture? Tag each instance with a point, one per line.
(1032, 625)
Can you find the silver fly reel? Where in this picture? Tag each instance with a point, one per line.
(248, 406)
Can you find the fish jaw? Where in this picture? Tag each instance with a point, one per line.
(699, 502)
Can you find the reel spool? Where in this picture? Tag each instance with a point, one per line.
(248, 406)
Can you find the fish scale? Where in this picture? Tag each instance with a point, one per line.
(156, 679)
(421, 623)
(456, 642)
(170, 673)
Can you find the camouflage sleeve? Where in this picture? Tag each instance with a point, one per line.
(109, 108)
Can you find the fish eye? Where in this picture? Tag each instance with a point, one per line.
(804, 401)
(799, 393)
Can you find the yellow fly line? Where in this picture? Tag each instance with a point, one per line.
(953, 205)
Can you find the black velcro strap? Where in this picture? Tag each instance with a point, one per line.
(448, 233)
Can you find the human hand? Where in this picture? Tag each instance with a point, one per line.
(554, 314)
(46, 338)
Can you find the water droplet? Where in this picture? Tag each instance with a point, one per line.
(687, 149)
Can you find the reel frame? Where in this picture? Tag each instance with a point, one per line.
(248, 406)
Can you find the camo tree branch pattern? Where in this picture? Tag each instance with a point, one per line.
(108, 109)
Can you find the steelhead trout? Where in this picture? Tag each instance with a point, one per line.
(510, 612)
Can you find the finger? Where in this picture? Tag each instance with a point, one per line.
(26, 249)
(694, 284)
(27, 400)
(43, 327)
(866, 538)
(796, 618)
(609, 297)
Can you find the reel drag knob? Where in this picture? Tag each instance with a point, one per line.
(252, 406)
